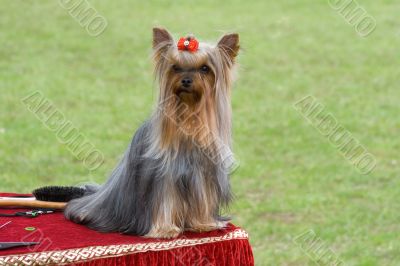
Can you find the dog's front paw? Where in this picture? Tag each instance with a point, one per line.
(222, 224)
(208, 227)
(168, 232)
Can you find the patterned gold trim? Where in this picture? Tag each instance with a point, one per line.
(62, 257)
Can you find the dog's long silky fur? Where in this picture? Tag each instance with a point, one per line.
(174, 175)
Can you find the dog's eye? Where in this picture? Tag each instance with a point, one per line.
(204, 69)
(176, 68)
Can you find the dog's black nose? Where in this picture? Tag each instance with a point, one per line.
(187, 82)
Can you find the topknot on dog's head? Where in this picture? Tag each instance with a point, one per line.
(228, 45)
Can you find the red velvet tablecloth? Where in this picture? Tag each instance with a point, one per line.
(65, 243)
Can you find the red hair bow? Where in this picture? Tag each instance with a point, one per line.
(188, 44)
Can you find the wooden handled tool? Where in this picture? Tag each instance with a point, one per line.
(30, 203)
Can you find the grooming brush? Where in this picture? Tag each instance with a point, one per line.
(52, 197)
(58, 193)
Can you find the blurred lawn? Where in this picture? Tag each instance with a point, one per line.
(290, 178)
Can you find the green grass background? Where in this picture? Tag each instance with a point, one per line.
(291, 179)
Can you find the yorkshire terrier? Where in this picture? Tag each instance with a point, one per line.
(174, 175)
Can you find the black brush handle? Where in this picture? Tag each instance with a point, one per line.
(5, 245)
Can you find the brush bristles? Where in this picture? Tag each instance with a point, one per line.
(58, 193)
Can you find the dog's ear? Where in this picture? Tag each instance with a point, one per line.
(230, 44)
(161, 36)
